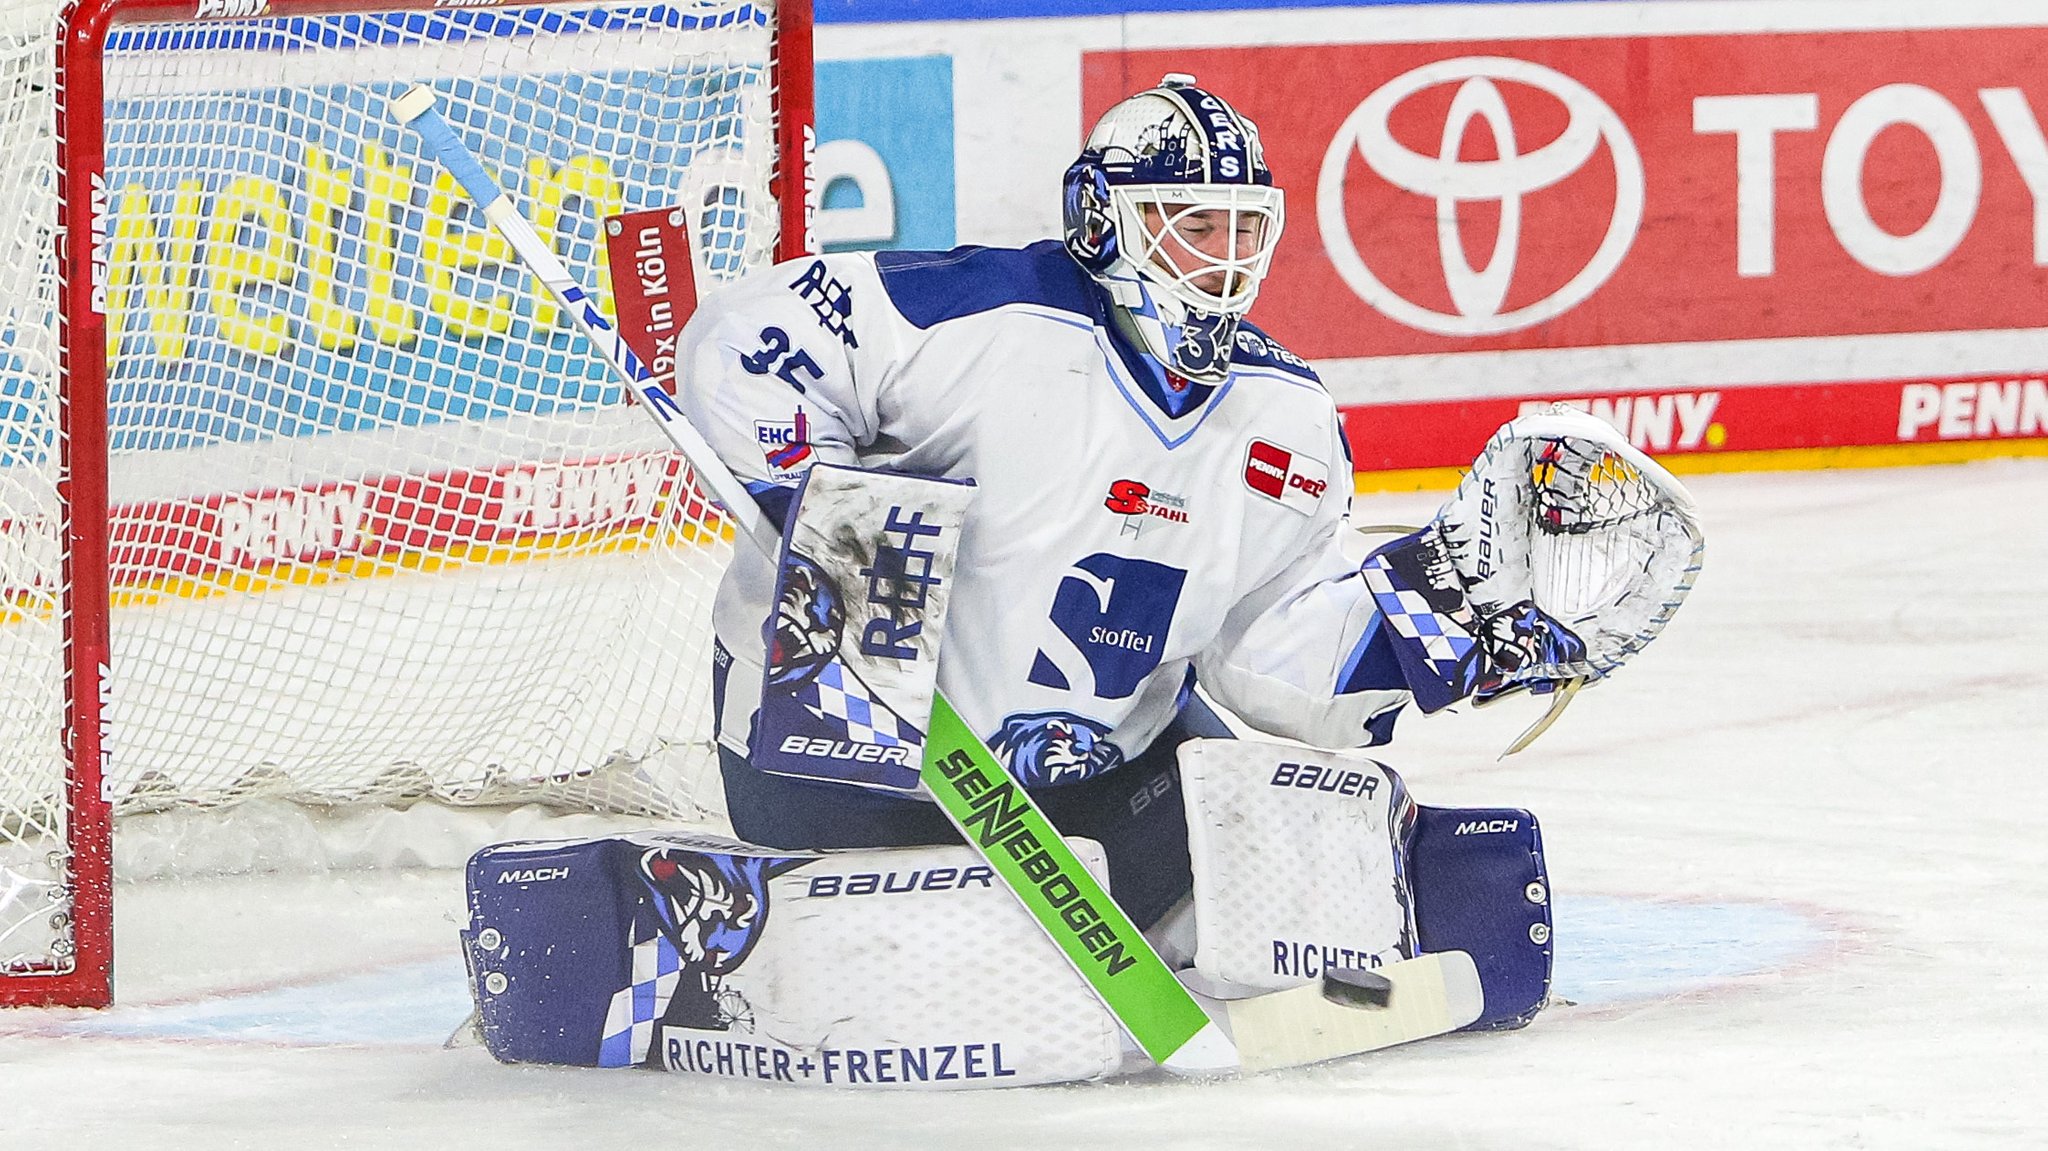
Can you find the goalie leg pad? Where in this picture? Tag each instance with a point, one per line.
(1305, 860)
(1297, 862)
(1480, 888)
(906, 968)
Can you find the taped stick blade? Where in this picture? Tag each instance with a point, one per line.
(1357, 987)
(1430, 995)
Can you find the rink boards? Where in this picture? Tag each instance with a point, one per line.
(1812, 230)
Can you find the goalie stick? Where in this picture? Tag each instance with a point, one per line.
(1430, 994)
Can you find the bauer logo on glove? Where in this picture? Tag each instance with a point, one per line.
(1563, 552)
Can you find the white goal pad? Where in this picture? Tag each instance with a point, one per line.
(1297, 862)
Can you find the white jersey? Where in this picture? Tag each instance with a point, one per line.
(1133, 532)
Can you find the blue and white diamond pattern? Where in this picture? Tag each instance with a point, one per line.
(629, 1022)
(1442, 642)
(839, 697)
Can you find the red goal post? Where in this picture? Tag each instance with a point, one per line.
(313, 496)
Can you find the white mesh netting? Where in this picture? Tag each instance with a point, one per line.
(381, 527)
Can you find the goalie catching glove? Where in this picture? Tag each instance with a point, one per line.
(1563, 552)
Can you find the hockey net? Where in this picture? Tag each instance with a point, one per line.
(305, 490)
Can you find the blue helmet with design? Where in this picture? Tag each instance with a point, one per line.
(1172, 209)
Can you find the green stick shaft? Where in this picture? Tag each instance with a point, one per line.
(1003, 823)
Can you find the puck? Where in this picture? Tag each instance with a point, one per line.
(1357, 987)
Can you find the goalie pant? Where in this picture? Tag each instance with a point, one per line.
(912, 968)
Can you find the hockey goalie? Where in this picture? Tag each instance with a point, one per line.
(1055, 489)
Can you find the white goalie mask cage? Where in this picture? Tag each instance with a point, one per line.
(1172, 208)
(1170, 220)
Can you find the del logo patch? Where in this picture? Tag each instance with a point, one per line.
(1292, 478)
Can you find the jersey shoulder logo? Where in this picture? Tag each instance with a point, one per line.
(1292, 479)
(786, 445)
(831, 300)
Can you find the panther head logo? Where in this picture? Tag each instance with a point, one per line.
(1522, 637)
(712, 907)
(1054, 747)
(809, 618)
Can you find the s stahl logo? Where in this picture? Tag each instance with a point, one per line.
(1137, 498)
(1127, 497)
(1478, 294)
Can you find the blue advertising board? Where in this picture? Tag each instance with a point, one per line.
(885, 153)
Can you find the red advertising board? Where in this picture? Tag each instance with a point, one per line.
(1635, 191)
(1441, 433)
(186, 546)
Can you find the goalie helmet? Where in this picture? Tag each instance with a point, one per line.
(1171, 208)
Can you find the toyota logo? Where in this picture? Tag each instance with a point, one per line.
(1479, 293)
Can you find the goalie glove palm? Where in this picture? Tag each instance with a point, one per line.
(1485, 533)
(1563, 552)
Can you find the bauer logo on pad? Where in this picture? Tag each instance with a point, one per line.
(1291, 478)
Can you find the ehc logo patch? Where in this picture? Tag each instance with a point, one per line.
(785, 445)
(1295, 480)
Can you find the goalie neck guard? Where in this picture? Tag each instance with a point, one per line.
(1170, 208)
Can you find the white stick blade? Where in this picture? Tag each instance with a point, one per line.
(1433, 994)
(1209, 1053)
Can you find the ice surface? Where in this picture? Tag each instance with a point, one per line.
(1795, 851)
